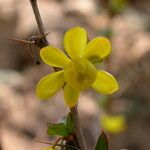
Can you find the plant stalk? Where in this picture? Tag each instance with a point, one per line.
(73, 110)
(78, 129)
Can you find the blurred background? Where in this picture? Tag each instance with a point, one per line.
(23, 118)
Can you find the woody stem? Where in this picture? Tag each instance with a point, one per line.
(73, 110)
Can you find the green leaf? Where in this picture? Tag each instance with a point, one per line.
(69, 124)
(58, 129)
(102, 143)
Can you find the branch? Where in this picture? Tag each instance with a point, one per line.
(74, 110)
(78, 129)
(50, 143)
(40, 24)
(37, 16)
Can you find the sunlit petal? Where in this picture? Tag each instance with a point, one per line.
(105, 83)
(54, 57)
(75, 41)
(70, 95)
(49, 85)
(97, 49)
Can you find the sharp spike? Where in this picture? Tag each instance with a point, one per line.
(36, 60)
(21, 41)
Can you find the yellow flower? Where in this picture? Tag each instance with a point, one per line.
(79, 72)
(113, 124)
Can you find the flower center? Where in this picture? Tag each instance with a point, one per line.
(80, 73)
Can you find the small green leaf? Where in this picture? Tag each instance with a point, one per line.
(58, 129)
(69, 124)
(102, 143)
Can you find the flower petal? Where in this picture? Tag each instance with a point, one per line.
(113, 124)
(105, 83)
(54, 57)
(70, 95)
(49, 85)
(75, 41)
(97, 49)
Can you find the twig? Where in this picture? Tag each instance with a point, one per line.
(47, 142)
(37, 16)
(56, 142)
(73, 110)
(39, 21)
(61, 145)
(78, 129)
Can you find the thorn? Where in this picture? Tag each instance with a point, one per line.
(21, 41)
(45, 142)
(50, 123)
(50, 143)
(36, 60)
(61, 145)
(45, 35)
(41, 37)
